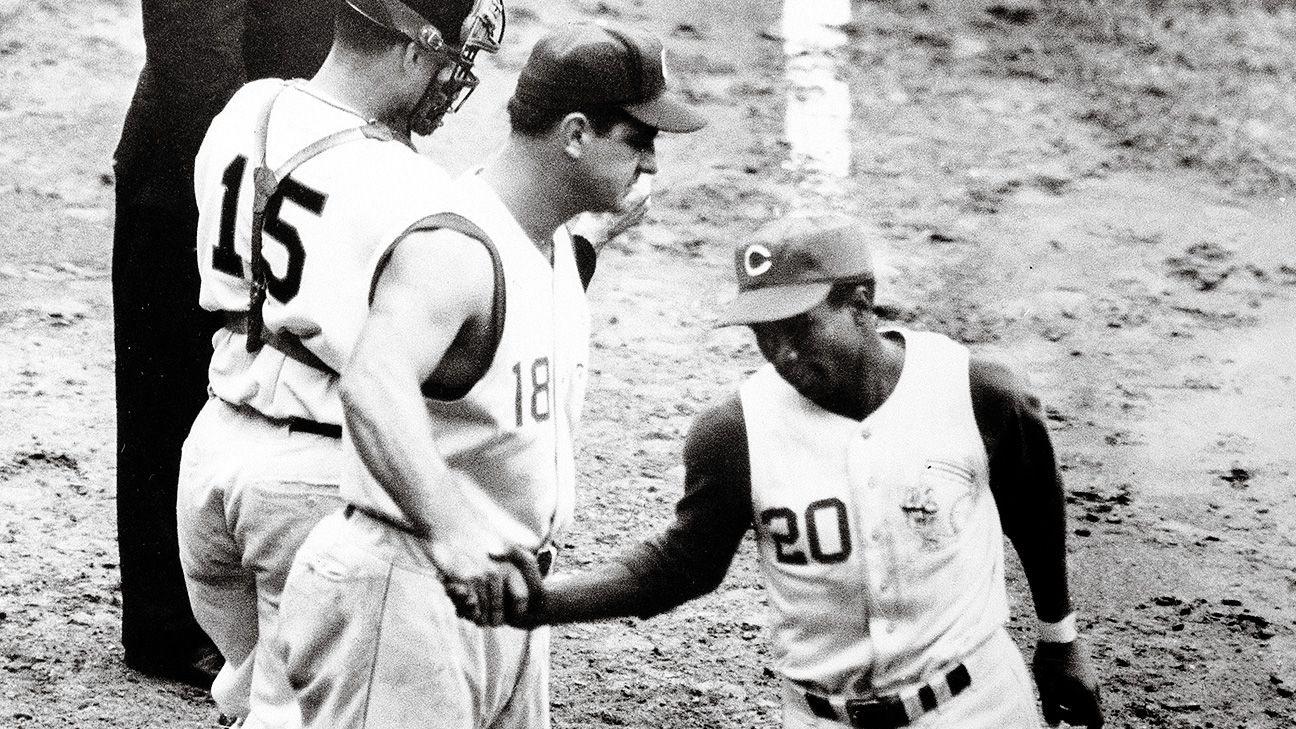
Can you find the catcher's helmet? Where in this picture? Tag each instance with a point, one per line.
(454, 29)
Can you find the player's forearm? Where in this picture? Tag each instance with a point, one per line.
(1042, 549)
(1037, 528)
(646, 580)
(610, 592)
(388, 424)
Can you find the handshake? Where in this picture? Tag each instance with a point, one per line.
(476, 547)
(510, 591)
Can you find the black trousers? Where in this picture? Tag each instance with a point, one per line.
(163, 347)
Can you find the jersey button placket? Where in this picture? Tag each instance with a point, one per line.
(870, 531)
(882, 580)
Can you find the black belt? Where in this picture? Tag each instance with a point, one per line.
(545, 556)
(302, 425)
(295, 425)
(889, 712)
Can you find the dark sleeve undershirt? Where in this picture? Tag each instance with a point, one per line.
(1025, 481)
(691, 557)
(586, 259)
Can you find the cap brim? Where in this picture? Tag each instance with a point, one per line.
(668, 114)
(774, 303)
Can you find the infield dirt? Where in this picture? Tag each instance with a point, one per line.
(1100, 192)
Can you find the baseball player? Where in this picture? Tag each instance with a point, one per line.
(301, 185)
(877, 468)
(460, 399)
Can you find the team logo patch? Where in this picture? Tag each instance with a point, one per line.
(757, 260)
(939, 506)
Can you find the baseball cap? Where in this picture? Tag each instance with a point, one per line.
(589, 64)
(791, 264)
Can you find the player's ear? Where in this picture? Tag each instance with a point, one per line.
(574, 133)
(860, 300)
(411, 54)
(414, 60)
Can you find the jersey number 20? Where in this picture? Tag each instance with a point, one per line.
(784, 531)
(226, 259)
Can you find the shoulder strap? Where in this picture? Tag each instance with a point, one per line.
(265, 183)
(263, 186)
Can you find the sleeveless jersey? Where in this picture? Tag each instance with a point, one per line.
(511, 433)
(337, 212)
(879, 539)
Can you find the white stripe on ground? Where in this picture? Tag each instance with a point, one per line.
(818, 105)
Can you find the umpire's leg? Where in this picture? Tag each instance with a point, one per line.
(163, 346)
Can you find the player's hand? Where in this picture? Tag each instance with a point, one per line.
(474, 582)
(517, 601)
(525, 601)
(474, 566)
(1068, 684)
(599, 228)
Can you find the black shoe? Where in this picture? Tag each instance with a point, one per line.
(198, 667)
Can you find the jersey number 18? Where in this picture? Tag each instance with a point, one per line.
(539, 391)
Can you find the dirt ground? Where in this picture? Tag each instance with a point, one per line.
(1097, 191)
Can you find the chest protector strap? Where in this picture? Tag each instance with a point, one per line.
(265, 183)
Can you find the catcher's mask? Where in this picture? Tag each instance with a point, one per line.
(482, 30)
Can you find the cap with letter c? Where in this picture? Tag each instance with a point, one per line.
(789, 266)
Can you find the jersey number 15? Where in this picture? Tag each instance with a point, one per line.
(226, 259)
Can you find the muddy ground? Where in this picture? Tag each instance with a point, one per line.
(1097, 191)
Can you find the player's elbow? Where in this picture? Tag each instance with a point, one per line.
(672, 589)
(704, 581)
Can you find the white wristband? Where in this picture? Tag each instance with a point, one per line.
(1063, 631)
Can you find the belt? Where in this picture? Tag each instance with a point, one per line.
(295, 424)
(302, 425)
(545, 556)
(896, 710)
